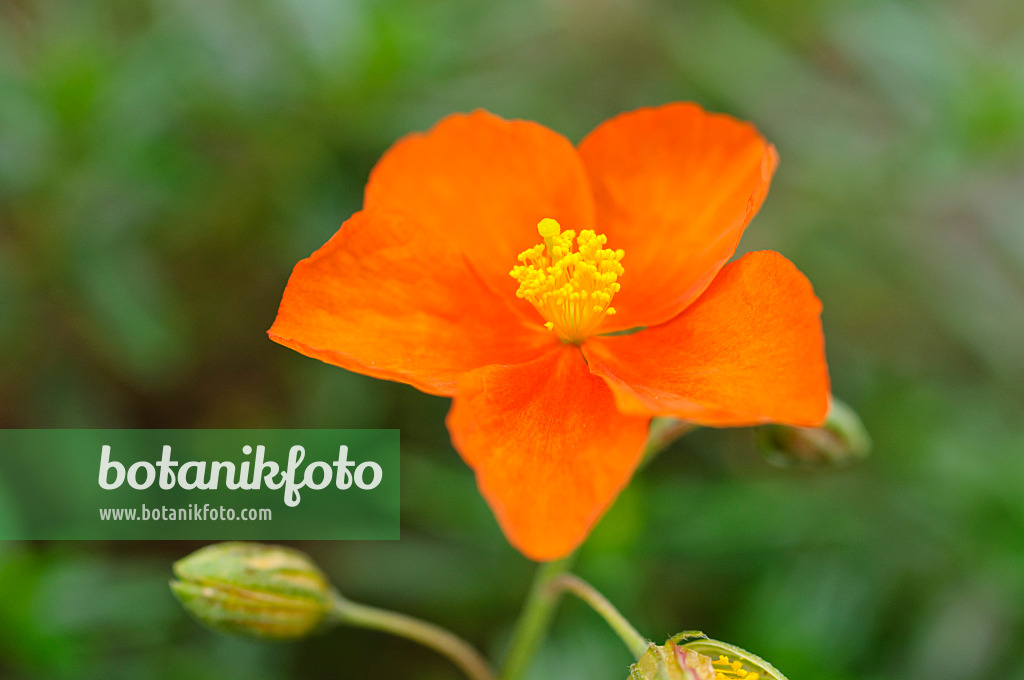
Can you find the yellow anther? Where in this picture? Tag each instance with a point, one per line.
(733, 670)
(572, 290)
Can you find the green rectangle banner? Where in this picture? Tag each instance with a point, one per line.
(199, 484)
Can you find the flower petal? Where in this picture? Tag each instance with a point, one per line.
(749, 350)
(549, 448)
(674, 187)
(484, 183)
(385, 298)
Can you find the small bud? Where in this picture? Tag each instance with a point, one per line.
(261, 591)
(701, 658)
(841, 440)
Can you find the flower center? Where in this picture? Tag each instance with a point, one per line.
(572, 290)
(727, 669)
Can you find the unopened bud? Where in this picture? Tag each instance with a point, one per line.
(841, 440)
(671, 662)
(701, 658)
(251, 589)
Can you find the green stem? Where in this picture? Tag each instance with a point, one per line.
(636, 642)
(534, 620)
(444, 642)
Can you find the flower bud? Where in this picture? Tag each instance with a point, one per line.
(670, 662)
(841, 440)
(701, 658)
(261, 591)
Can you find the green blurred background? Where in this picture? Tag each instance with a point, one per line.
(164, 164)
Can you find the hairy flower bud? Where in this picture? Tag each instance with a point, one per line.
(701, 658)
(261, 591)
(841, 440)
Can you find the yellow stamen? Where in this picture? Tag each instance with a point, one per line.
(572, 290)
(732, 670)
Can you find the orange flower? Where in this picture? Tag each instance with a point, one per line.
(631, 230)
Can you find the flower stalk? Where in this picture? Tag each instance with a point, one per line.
(571, 583)
(535, 619)
(442, 641)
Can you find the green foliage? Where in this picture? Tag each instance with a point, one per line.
(164, 163)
